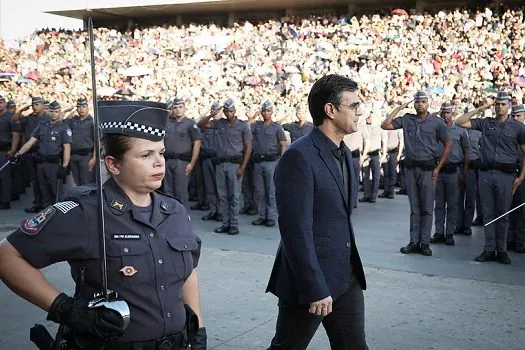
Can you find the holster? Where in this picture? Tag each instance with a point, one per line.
(192, 323)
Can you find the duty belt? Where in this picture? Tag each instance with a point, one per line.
(182, 156)
(508, 168)
(393, 150)
(373, 153)
(423, 165)
(450, 168)
(82, 151)
(474, 164)
(48, 159)
(233, 159)
(258, 158)
(172, 342)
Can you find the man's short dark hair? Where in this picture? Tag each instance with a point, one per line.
(328, 89)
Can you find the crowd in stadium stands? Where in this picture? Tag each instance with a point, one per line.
(455, 55)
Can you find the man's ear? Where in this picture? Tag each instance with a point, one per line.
(329, 110)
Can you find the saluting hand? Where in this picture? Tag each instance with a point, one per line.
(321, 307)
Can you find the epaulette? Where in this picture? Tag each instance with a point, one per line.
(80, 191)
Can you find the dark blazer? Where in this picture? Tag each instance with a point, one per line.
(317, 238)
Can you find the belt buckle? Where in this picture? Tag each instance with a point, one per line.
(165, 344)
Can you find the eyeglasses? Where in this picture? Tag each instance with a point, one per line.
(354, 107)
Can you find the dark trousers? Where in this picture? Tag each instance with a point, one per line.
(345, 326)
(420, 190)
(35, 183)
(517, 217)
(371, 185)
(49, 182)
(390, 173)
(469, 200)
(79, 166)
(495, 188)
(5, 179)
(248, 187)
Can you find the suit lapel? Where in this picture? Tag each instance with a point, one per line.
(329, 160)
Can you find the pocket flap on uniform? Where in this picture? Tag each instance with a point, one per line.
(127, 248)
(183, 244)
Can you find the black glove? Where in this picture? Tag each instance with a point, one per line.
(63, 172)
(75, 313)
(14, 158)
(200, 341)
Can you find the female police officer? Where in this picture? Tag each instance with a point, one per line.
(152, 252)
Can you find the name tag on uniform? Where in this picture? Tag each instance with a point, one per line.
(121, 236)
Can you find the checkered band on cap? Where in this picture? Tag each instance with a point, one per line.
(134, 127)
(142, 119)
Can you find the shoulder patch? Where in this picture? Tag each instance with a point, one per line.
(69, 133)
(195, 126)
(32, 225)
(64, 207)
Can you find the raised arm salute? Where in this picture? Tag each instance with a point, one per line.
(503, 141)
(422, 133)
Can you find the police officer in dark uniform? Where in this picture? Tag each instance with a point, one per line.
(82, 146)
(469, 201)
(269, 143)
(503, 142)
(393, 154)
(183, 142)
(11, 106)
(516, 237)
(152, 253)
(29, 162)
(208, 153)
(422, 133)
(234, 147)
(9, 138)
(300, 127)
(53, 154)
(18, 185)
(453, 173)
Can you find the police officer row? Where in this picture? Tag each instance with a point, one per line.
(449, 163)
(43, 149)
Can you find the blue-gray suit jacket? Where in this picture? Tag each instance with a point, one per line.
(317, 251)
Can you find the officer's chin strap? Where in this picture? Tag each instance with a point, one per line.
(106, 298)
(499, 217)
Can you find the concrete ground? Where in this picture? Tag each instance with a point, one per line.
(446, 301)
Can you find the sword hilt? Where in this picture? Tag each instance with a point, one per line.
(112, 302)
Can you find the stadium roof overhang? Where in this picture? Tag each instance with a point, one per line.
(203, 6)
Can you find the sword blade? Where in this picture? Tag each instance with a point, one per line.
(103, 262)
(4, 166)
(499, 217)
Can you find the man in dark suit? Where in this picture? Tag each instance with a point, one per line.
(317, 275)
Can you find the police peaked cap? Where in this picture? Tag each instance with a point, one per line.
(266, 105)
(81, 102)
(229, 104)
(36, 100)
(216, 106)
(518, 109)
(503, 96)
(54, 106)
(11, 103)
(446, 106)
(2, 98)
(142, 119)
(420, 95)
(46, 103)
